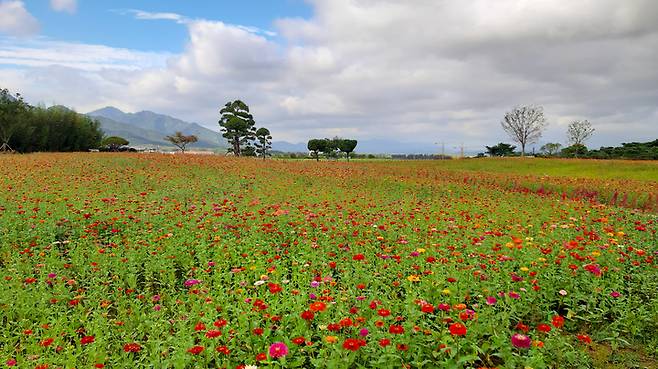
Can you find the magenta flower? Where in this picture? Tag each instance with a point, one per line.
(278, 349)
(514, 295)
(615, 294)
(521, 341)
(491, 300)
(363, 332)
(191, 282)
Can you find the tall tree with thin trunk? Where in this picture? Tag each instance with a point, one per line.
(525, 125)
(237, 125)
(579, 131)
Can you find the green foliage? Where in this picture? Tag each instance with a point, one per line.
(27, 129)
(237, 125)
(574, 151)
(316, 146)
(551, 149)
(502, 149)
(113, 143)
(347, 146)
(633, 150)
(263, 142)
(181, 140)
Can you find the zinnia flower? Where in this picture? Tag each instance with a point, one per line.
(457, 329)
(191, 282)
(521, 341)
(278, 349)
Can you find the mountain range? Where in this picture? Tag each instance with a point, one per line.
(149, 129)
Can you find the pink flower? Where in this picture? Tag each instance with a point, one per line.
(278, 349)
(363, 332)
(11, 362)
(491, 300)
(514, 295)
(521, 341)
(615, 294)
(191, 282)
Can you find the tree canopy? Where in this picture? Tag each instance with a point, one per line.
(237, 125)
(181, 141)
(113, 143)
(579, 131)
(501, 149)
(263, 142)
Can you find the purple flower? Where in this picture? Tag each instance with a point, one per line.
(191, 282)
(521, 341)
(278, 349)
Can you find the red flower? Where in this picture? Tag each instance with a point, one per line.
(213, 333)
(223, 350)
(427, 308)
(584, 338)
(396, 329)
(132, 347)
(402, 347)
(383, 313)
(258, 331)
(261, 357)
(544, 328)
(86, 340)
(200, 327)
(457, 329)
(308, 315)
(196, 350)
(274, 288)
(46, 342)
(318, 306)
(557, 321)
(220, 323)
(522, 327)
(384, 342)
(358, 257)
(333, 327)
(353, 344)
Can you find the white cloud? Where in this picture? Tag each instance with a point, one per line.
(15, 20)
(69, 6)
(425, 71)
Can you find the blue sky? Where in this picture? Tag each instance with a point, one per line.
(110, 22)
(420, 72)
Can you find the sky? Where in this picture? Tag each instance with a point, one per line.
(421, 71)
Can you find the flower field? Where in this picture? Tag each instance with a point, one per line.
(183, 261)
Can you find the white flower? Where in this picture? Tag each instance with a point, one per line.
(251, 367)
(563, 292)
(258, 283)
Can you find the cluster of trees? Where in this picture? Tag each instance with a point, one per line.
(239, 128)
(420, 157)
(331, 147)
(25, 128)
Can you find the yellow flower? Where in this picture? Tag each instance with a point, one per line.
(420, 251)
(413, 278)
(596, 253)
(446, 292)
(524, 269)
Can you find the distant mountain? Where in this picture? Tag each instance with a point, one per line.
(147, 128)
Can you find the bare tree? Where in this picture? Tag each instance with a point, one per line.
(181, 141)
(579, 131)
(524, 124)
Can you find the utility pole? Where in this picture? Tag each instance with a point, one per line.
(443, 149)
(462, 150)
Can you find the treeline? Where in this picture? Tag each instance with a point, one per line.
(25, 128)
(331, 147)
(632, 150)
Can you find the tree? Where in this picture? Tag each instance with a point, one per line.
(263, 142)
(502, 149)
(181, 141)
(316, 146)
(237, 125)
(524, 124)
(579, 131)
(12, 114)
(113, 143)
(347, 146)
(551, 149)
(574, 151)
